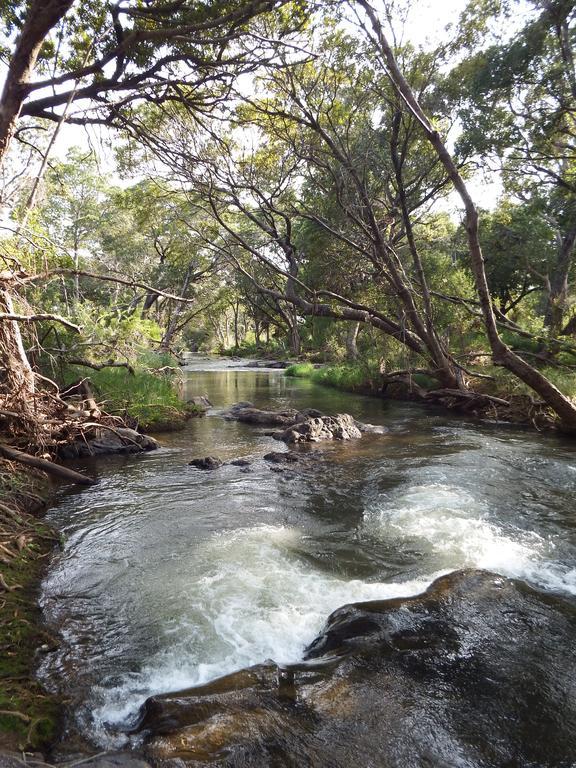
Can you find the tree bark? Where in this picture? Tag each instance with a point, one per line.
(42, 16)
(46, 466)
(557, 298)
(501, 353)
(351, 337)
(17, 374)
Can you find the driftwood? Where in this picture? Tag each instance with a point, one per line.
(466, 395)
(47, 466)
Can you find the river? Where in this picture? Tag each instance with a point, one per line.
(170, 576)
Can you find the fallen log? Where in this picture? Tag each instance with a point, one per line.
(46, 466)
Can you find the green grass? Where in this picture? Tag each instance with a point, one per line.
(300, 370)
(351, 377)
(148, 397)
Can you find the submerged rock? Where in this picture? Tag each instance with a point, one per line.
(207, 462)
(277, 457)
(475, 672)
(119, 440)
(371, 429)
(240, 462)
(313, 430)
(200, 401)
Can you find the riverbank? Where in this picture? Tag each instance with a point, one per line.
(496, 396)
(29, 715)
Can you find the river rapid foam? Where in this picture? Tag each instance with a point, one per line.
(171, 576)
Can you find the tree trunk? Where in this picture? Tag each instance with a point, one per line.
(351, 338)
(17, 374)
(501, 353)
(236, 309)
(42, 16)
(172, 326)
(295, 340)
(557, 299)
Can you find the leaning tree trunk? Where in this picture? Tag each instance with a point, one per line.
(42, 16)
(501, 353)
(17, 374)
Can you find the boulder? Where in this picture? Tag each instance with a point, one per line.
(248, 413)
(277, 457)
(200, 401)
(119, 440)
(207, 462)
(313, 430)
(240, 462)
(306, 426)
(476, 672)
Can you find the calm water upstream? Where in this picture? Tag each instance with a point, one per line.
(171, 576)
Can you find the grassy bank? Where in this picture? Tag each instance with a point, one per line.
(519, 404)
(350, 377)
(147, 397)
(29, 716)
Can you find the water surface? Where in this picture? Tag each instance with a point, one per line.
(171, 576)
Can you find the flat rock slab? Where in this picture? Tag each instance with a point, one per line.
(119, 440)
(477, 672)
(248, 413)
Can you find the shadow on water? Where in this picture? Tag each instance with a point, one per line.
(171, 576)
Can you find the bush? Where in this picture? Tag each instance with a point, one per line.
(352, 377)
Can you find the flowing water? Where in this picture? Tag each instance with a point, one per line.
(171, 576)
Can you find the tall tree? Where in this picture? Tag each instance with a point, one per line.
(516, 101)
(502, 354)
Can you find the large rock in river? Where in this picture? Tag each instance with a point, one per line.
(108, 441)
(248, 413)
(313, 430)
(477, 672)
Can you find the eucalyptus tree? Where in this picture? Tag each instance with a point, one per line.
(501, 353)
(516, 101)
(106, 59)
(338, 134)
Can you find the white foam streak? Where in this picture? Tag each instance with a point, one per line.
(256, 601)
(456, 531)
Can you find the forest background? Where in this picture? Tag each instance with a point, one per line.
(319, 181)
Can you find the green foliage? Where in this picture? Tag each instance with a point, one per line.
(300, 370)
(352, 377)
(148, 396)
